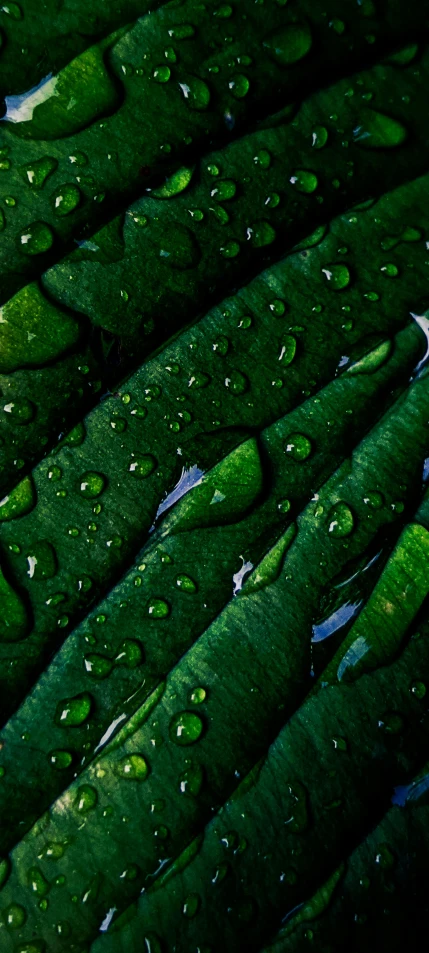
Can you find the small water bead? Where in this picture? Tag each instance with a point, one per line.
(304, 181)
(36, 173)
(277, 307)
(273, 200)
(196, 214)
(92, 484)
(5, 165)
(196, 92)
(182, 31)
(191, 780)
(263, 159)
(161, 74)
(245, 322)
(390, 270)
(158, 609)
(14, 916)
(36, 239)
(239, 85)
(12, 10)
(98, 666)
(213, 169)
(197, 696)
(338, 26)
(118, 424)
(418, 689)
(186, 728)
(142, 467)
(186, 584)
(221, 215)
(191, 905)
(384, 857)
(42, 561)
(261, 234)
(21, 410)
(153, 392)
(37, 882)
(319, 137)
(230, 249)
(86, 799)
(374, 499)
(139, 412)
(284, 506)
(289, 45)
(378, 131)
(76, 436)
(340, 521)
(60, 759)
(133, 767)
(72, 712)
(66, 199)
(298, 446)
(288, 346)
(224, 190)
(392, 723)
(224, 12)
(237, 383)
(337, 275)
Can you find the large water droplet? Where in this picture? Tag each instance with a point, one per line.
(239, 85)
(91, 484)
(176, 183)
(158, 609)
(36, 173)
(289, 45)
(14, 916)
(33, 331)
(196, 93)
(287, 349)
(340, 521)
(36, 239)
(378, 131)
(133, 767)
(86, 799)
(298, 446)
(224, 190)
(373, 361)
(304, 181)
(338, 276)
(75, 711)
(66, 199)
(19, 501)
(186, 728)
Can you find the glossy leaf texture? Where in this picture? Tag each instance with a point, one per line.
(214, 446)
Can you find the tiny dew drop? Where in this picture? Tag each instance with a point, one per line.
(186, 728)
(14, 916)
(298, 446)
(196, 92)
(221, 345)
(133, 767)
(197, 696)
(337, 275)
(158, 609)
(98, 666)
(72, 712)
(340, 521)
(230, 249)
(161, 74)
(237, 383)
(36, 173)
(374, 499)
(418, 689)
(224, 190)
(36, 239)
(186, 584)
(13, 10)
(304, 181)
(66, 200)
(262, 159)
(378, 131)
(261, 234)
(289, 45)
(277, 307)
(130, 654)
(390, 270)
(86, 799)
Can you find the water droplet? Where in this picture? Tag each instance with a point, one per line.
(14, 621)
(289, 45)
(338, 276)
(91, 485)
(340, 521)
(19, 501)
(262, 159)
(373, 361)
(298, 446)
(191, 779)
(186, 728)
(221, 345)
(36, 239)
(197, 696)
(130, 654)
(186, 584)
(287, 349)
(14, 916)
(66, 199)
(13, 10)
(224, 190)
(278, 307)
(142, 467)
(237, 383)
(37, 882)
(86, 799)
(98, 666)
(319, 137)
(60, 760)
(174, 185)
(176, 245)
(239, 85)
(42, 561)
(182, 31)
(133, 767)
(261, 234)
(230, 249)
(21, 410)
(191, 905)
(196, 93)
(74, 711)
(158, 609)
(36, 173)
(374, 499)
(378, 131)
(304, 181)
(161, 74)
(390, 270)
